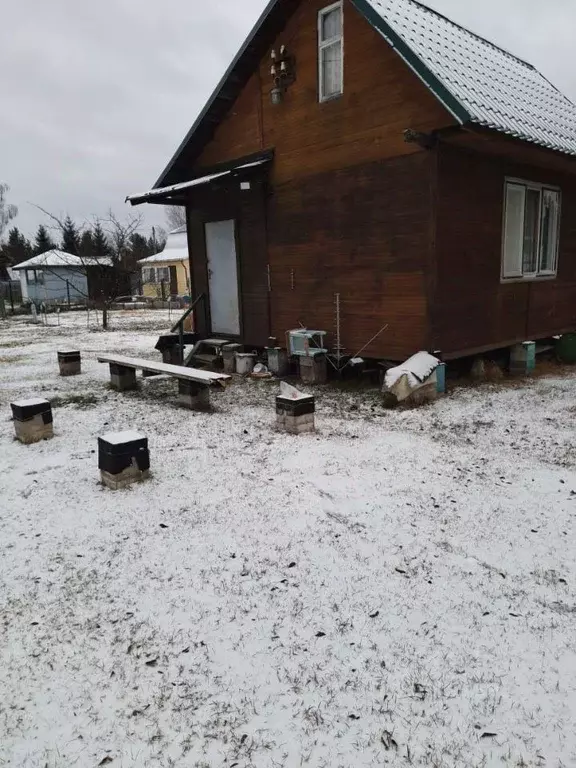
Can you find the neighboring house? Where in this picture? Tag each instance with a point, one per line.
(56, 276)
(373, 157)
(167, 273)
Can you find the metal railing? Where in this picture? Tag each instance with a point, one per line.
(179, 326)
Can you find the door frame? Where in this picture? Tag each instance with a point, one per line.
(216, 334)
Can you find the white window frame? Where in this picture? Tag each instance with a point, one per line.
(539, 273)
(163, 274)
(323, 44)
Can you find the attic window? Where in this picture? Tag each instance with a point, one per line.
(330, 52)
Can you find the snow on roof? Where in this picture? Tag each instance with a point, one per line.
(475, 79)
(176, 249)
(56, 258)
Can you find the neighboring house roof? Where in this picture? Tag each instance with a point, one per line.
(56, 258)
(176, 249)
(478, 82)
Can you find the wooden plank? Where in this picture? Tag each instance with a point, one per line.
(177, 371)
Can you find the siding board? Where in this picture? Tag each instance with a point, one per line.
(381, 99)
(472, 308)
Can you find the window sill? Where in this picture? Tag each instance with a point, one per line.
(531, 279)
(329, 99)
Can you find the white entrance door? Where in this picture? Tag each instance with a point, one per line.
(223, 277)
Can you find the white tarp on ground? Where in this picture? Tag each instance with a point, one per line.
(417, 372)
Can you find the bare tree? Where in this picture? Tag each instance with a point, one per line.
(7, 211)
(175, 216)
(108, 268)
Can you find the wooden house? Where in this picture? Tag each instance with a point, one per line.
(57, 277)
(369, 164)
(167, 273)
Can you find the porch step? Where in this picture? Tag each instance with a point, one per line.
(207, 353)
(216, 343)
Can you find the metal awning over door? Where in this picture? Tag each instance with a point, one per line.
(169, 195)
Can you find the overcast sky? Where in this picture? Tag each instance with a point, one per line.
(96, 96)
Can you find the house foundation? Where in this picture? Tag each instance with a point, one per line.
(123, 459)
(523, 359)
(313, 369)
(32, 420)
(277, 361)
(229, 357)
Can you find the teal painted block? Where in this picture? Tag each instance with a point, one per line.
(441, 379)
(530, 347)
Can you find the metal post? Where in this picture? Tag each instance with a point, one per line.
(338, 347)
(68, 292)
(10, 290)
(181, 343)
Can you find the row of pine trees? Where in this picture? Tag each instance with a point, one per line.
(92, 242)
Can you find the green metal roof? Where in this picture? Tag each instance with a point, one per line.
(475, 79)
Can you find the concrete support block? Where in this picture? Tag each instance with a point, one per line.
(171, 355)
(32, 420)
(194, 396)
(523, 359)
(122, 378)
(229, 357)
(295, 416)
(245, 362)
(123, 459)
(313, 369)
(70, 363)
(277, 361)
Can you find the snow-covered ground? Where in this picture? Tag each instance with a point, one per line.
(397, 589)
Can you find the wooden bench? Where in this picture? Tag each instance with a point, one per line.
(193, 384)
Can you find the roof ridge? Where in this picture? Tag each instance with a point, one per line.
(491, 43)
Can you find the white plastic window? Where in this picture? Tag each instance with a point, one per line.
(531, 231)
(330, 52)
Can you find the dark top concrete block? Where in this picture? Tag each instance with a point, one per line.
(116, 452)
(68, 357)
(23, 410)
(300, 407)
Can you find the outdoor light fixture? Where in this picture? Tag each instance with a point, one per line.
(282, 72)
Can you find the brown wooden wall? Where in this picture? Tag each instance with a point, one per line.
(382, 97)
(349, 208)
(362, 232)
(470, 308)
